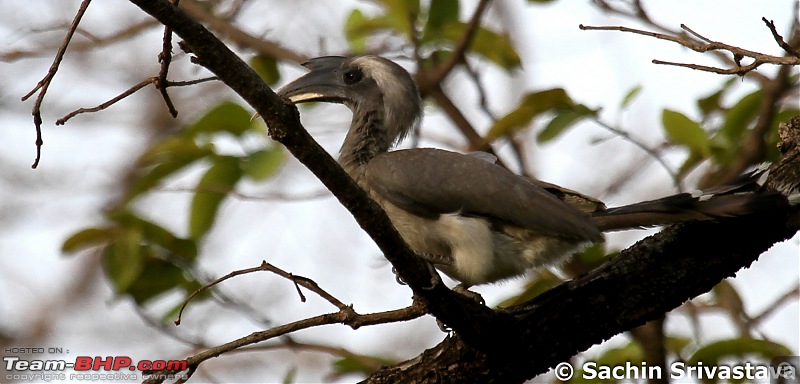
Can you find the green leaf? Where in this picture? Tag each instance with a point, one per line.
(153, 177)
(262, 164)
(402, 10)
(532, 105)
(225, 117)
(711, 103)
(267, 68)
(562, 121)
(728, 298)
(360, 364)
(155, 234)
(594, 255)
(632, 352)
(123, 260)
(491, 45)
(715, 352)
(157, 277)
(356, 30)
(630, 96)
(615, 357)
(440, 14)
(676, 344)
(86, 238)
(359, 27)
(739, 117)
(172, 149)
(168, 157)
(689, 164)
(684, 131)
(211, 190)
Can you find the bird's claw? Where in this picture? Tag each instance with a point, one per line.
(397, 277)
(463, 290)
(437, 259)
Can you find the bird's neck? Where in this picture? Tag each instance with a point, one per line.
(368, 136)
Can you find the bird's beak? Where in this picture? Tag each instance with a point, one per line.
(323, 83)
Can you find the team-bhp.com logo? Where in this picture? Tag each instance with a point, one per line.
(86, 368)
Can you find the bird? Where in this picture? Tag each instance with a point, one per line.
(472, 219)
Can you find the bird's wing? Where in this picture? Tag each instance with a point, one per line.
(429, 182)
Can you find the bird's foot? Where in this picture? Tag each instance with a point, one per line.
(435, 279)
(437, 259)
(443, 327)
(463, 290)
(397, 277)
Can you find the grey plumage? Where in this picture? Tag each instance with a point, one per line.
(478, 222)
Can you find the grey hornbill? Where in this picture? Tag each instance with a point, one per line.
(474, 220)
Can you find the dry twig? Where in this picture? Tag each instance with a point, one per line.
(297, 280)
(44, 84)
(708, 45)
(150, 80)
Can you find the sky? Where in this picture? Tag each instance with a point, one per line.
(63, 301)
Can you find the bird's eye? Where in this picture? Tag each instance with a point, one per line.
(352, 76)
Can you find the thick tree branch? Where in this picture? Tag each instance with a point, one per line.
(645, 281)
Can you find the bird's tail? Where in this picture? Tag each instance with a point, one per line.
(743, 196)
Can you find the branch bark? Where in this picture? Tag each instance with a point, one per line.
(650, 278)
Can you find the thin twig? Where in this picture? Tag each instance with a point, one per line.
(653, 153)
(45, 82)
(165, 329)
(267, 267)
(280, 196)
(128, 92)
(779, 39)
(741, 70)
(165, 58)
(264, 47)
(709, 45)
(77, 46)
(789, 295)
(474, 140)
(432, 79)
(191, 82)
(483, 100)
(150, 80)
(695, 34)
(288, 342)
(349, 317)
(641, 15)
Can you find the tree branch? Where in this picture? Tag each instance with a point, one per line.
(434, 78)
(645, 281)
(708, 45)
(44, 84)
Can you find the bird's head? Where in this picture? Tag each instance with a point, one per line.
(371, 86)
